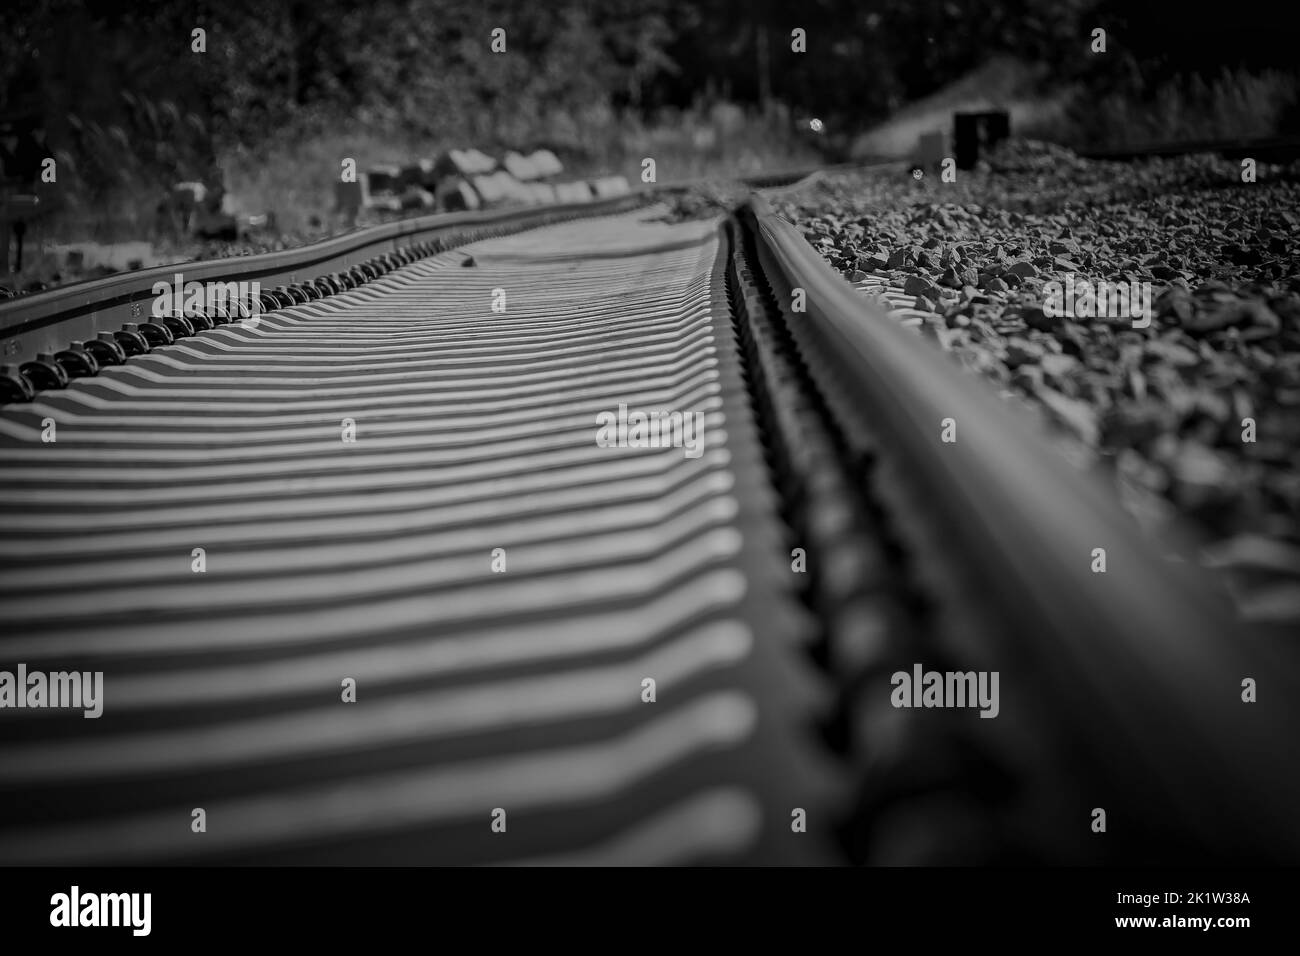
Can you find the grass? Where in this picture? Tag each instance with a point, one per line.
(1232, 106)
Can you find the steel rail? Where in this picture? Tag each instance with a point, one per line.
(47, 321)
(1137, 672)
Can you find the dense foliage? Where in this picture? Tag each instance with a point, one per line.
(116, 77)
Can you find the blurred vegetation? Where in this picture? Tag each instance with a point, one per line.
(286, 88)
(1235, 104)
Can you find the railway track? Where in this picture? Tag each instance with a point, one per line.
(366, 585)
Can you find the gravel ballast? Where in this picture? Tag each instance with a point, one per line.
(984, 265)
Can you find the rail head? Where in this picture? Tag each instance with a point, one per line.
(1144, 661)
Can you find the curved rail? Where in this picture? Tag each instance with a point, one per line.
(44, 324)
(47, 321)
